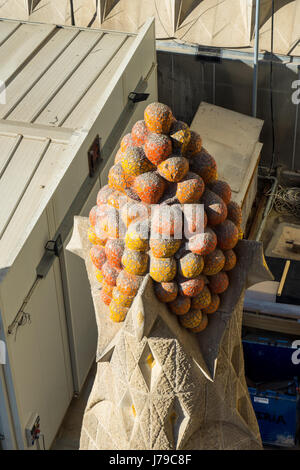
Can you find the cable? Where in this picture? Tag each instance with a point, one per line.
(287, 201)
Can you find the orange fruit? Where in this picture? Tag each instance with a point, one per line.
(213, 306)
(191, 287)
(230, 260)
(158, 118)
(181, 305)
(128, 283)
(215, 208)
(227, 234)
(204, 165)
(194, 146)
(162, 269)
(192, 319)
(222, 189)
(157, 148)
(166, 291)
(98, 257)
(218, 283)
(139, 133)
(213, 262)
(126, 142)
(202, 325)
(203, 299)
(135, 162)
(135, 262)
(190, 265)
(174, 168)
(180, 134)
(149, 187)
(190, 188)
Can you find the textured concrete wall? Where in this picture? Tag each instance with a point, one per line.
(185, 80)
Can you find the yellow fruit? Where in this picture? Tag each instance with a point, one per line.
(135, 262)
(121, 299)
(192, 319)
(162, 269)
(190, 265)
(202, 325)
(117, 312)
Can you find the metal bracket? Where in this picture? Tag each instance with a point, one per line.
(94, 156)
(54, 246)
(138, 97)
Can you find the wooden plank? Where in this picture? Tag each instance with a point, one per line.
(88, 107)
(250, 170)
(6, 29)
(71, 93)
(265, 322)
(35, 131)
(55, 78)
(7, 145)
(20, 46)
(17, 176)
(283, 277)
(35, 69)
(38, 193)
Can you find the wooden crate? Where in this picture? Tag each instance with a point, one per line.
(66, 89)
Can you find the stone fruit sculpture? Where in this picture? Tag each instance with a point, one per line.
(161, 173)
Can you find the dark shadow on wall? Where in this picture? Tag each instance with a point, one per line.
(184, 81)
(185, 8)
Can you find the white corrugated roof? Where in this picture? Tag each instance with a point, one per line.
(56, 83)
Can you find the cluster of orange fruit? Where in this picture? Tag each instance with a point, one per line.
(162, 162)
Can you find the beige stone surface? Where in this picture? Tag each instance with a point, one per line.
(160, 387)
(217, 23)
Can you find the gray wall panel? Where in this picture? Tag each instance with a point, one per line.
(184, 81)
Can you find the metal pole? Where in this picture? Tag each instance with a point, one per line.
(255, 60)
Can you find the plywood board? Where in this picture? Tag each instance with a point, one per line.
(278, 246)
(267, 322)
(233, 140)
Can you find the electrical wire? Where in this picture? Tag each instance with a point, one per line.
(287, 201)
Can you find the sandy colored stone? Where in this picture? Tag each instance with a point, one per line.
(160, 387)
